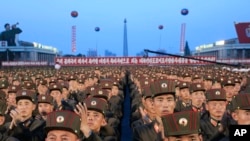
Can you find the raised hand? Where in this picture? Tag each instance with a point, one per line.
(82, 111)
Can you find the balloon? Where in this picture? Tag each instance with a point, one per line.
(184, 11)
(160, 27)
(74, 14)
(57, 66)
(97, 29)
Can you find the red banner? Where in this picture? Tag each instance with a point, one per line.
(116, 61)
(243, 32)
(24, 63)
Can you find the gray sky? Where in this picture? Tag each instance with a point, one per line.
(49, 22)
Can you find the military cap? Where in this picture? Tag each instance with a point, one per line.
(43, 82)
(181, 123)
(161, 87)
(25, 94)
(45, 99)
(55, 86)
(90, 89)
(106, 84)
(241, 101)
(183, 85)
(194, 87)
(196, 76)
(26, 78)
(60, 77)
(65, 84)
(81, 80)
(146, 92)
(29, 85)
(237, 80)
(72, 77)
(53, 80)
(13, 88)
(228, 82)
(219, 79)
(2, 95)
(100, 93)
(96, 104)
(216, 95)
(4, 84)
(208, 77)
(186, 74)
(63, 120)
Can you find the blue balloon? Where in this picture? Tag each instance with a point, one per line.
(184, 11)
(97, 29)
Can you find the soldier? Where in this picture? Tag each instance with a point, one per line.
(208, 81)
(216, 108)
(182, 126)
(42, 87)
(241, 109)
(93, 124)
(45, 106)
(56, 93)
(63, 125)
(240, 112)
(197, 97)
(164, 102)
(23, 126)
(184, 92)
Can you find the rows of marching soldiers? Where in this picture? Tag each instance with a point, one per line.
(85, 103)
(187, 103)
(69, 104)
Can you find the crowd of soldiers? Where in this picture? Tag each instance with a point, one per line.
(86, 103)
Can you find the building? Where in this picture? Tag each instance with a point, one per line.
(225, 49)
(236, 48)
(108, 53)
(92, 53)
(27, 51)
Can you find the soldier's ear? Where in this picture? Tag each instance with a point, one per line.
(235, 116)
(34, 106)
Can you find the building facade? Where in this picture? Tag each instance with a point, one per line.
(225, 49)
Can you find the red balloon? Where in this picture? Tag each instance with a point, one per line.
(160, 27)
(74, 14)
(184, 11)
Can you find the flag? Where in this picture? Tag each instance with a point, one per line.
(243, 32)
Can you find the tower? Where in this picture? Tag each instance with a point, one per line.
(125, 41)
(182, 42)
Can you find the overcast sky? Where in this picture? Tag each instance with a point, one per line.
(49, 22)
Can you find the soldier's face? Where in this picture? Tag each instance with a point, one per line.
(25, 108)
(56, 95)
(164, 104)
(148, 104)
(197, 98)
(192, 137)
(242, 117)
(185, 94)
(115, 90)
(229, 91)
(216, 85)
(2, 119)
(216, 108)
(236, 88)
(60, 135)
(42, 89)
(207, 84)
(44, 108)
(95, 120)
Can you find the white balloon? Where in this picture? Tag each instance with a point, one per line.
(57, 66)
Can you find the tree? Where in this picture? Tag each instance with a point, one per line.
(187, 51)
